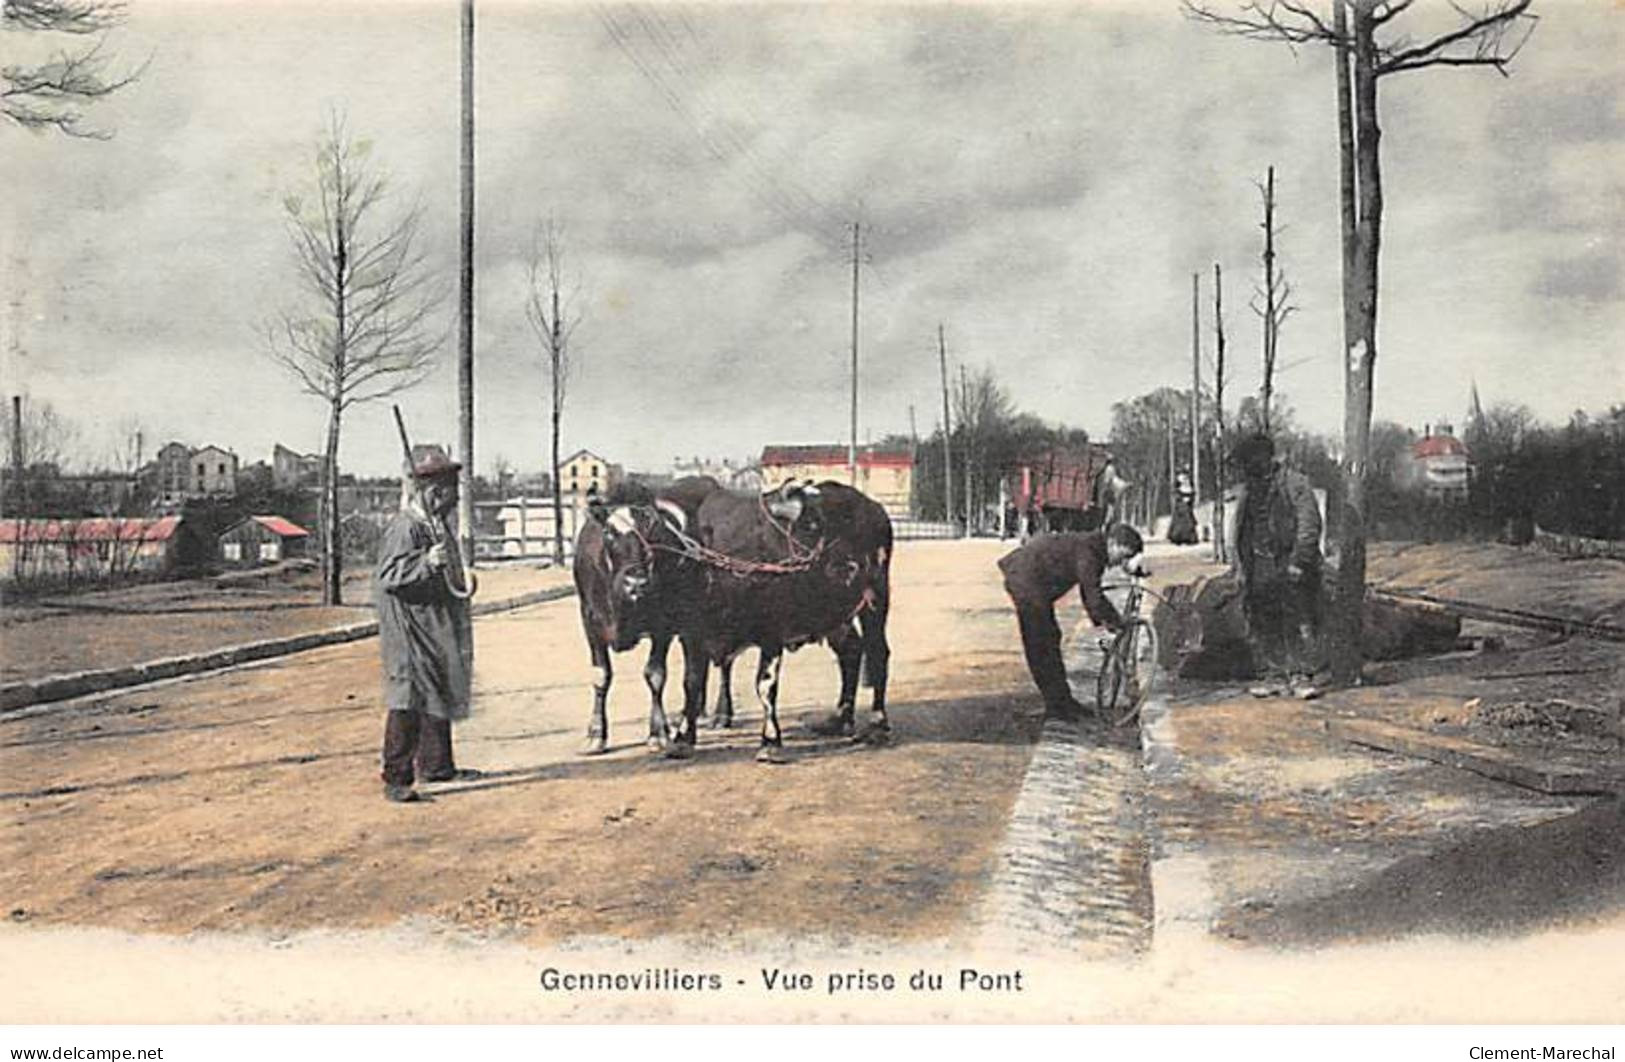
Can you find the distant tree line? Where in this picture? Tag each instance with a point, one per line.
(1569, 478)
(989, 437)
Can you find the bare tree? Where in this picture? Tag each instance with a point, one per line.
(362, 330)
(553, 317)
(1367, 44)
(1276, 296)
(122, 457)
(501, 475)
(39, 441)
(982, 410)
(52, 92)
(37, 435)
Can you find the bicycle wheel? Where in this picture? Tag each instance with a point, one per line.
(1111, 683)
(1128, 673)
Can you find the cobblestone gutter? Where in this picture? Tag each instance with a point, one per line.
(1070, 876)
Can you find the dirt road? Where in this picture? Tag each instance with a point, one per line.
(250, 799)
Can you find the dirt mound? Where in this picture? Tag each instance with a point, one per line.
(1547, 722)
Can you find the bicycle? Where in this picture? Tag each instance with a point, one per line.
(1129, 667)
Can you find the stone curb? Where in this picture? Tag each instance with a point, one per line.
(1182, 899)
(17, 695)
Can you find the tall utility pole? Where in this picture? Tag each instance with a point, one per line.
(17, 434)
(968, 422)
(852, 447)
(1220, 549)
(947, 432)
(15, 506)
(465, 306)
(1196, 389)
(1271, 324)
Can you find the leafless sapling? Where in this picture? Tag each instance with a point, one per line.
(553, 316)
(363, 327)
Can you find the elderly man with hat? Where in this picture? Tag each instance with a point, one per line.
(424, 630)
(1278, 565)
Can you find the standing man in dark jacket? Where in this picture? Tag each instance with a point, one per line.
(1039, 574)
(424, 631)
(1278, 564)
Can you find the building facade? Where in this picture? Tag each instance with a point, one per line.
(170, 474)
(213, 472)
(291, 469)
(585, 473)
(1437, 464)
(885, 474)
(262, 540)
(180, 472)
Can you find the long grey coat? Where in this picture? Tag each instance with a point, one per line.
(424, 633)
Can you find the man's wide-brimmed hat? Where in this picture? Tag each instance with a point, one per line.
(430, 461)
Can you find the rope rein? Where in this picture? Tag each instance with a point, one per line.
(800, 558)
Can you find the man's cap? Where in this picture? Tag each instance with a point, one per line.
(1126, 536)
(430, 461)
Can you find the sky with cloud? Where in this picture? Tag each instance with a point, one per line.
(1042, 180)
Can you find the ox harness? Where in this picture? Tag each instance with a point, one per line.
(799, 558)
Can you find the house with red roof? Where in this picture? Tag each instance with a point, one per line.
(885, 473)
(1437, 464)
(95, 548)
(262, 540)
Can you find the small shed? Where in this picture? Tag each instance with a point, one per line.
(262, 540)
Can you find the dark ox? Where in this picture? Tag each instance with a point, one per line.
(777, 571)
(625, 589)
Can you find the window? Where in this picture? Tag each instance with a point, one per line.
(202, 470)
(270, 551)
(232, 551)
(222, 468)
(594, 471)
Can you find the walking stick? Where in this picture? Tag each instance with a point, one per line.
(460, 580)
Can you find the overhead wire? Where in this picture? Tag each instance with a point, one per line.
(791, 203)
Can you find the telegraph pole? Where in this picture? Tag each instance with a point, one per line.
(465, 306)
(970, 447)
(852, 446)
(947, 433)
(1220, 548)
(1196, 390)
(14, 503)
(1270, 322)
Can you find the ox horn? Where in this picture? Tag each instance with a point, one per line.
(673, 513)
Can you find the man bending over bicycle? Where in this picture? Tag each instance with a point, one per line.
(1041, 573)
